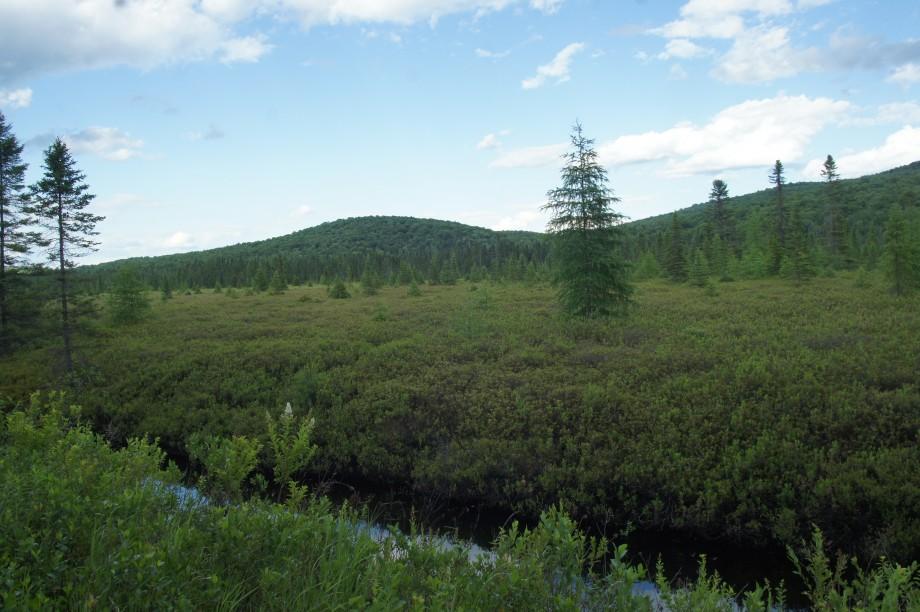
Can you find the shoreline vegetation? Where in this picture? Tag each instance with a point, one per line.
(85, 525)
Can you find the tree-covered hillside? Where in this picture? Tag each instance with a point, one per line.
(424, 249)
(865, 203)
(402, 249)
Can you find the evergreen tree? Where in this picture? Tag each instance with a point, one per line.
(647, 267)
(722, 222)
(797, 256)
(14, 242)
(699, 269)
(370, 282)
(128, 301)
(413, 290)
(166, 290)
(59, 201)
(901, 257)
(592, 277)
(675, 262)
(338, 290)
(261, 280)
(277, 284)
(835, 220)
(778, 239)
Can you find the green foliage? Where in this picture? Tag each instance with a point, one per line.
(413, 290)
(291, 446)
(592, 277)
(128, 302)
(647, 268)
(338, 291)
(226, 462)
(902, 253)
(86, 526)
(675, 262)
(699, 269)
(745, 417)
(277, 285)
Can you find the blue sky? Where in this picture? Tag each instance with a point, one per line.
(201, 123)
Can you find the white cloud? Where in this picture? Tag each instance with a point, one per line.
(763, 53)
(531, 157)
(899, 112)
(485, 53)
(177, 240)
(681, 48)
(212, 133)
(900, 148)
(248, 49)
(302, 211)
(906, 75)
(747, 135)
(547, 6)
(15, 98)
(557, 69)
(106, 142)
(41, 36)
(489, 141)
(530, 218)
(677, 72)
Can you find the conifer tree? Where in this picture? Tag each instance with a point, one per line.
(778, 239)
(723, 224)
(261, 280)
(14, 241)
(798, 255)
(59, 201)
(835, 220)
(675, 262)
(699, 269)
(901, 256)
(277, 285)
(591, 275)
(128, 301)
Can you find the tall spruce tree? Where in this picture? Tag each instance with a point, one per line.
(675, 261)
(901, 255)
(778, 239)
(14, 241)
(836, 230)
(59, 201)
(722, 222)
(592, 277)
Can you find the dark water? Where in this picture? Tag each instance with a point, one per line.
(741, 568)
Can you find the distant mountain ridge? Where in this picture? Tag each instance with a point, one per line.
(346, 246)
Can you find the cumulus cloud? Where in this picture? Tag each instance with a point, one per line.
(682, 48)
(747, 135)
(906, 75)
(302, 211)
(900, 148)
(106, 142)
(248, 49)
(486, 54)
(764, 51)
(489, 141)
(40, 36)
(15, 98)
(178, 240)
(558, 69)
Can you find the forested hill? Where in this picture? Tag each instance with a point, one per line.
(866, 203)
(421, 248)
(406, 248)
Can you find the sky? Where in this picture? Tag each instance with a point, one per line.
(201, 123)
